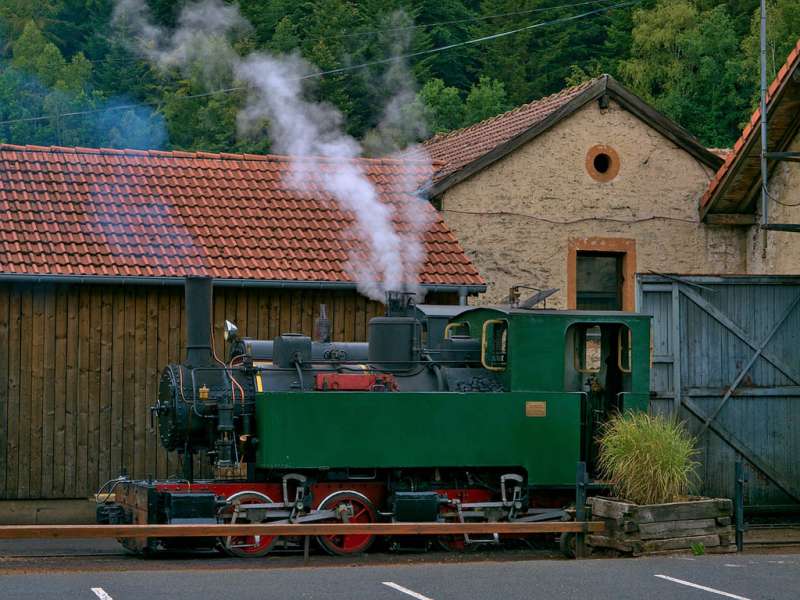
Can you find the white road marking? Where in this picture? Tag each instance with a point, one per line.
(702, 587)
(400, 588)
(101, 593)
(732, 565)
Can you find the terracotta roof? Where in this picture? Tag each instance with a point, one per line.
(721, 152)
(465, 151)
(456, 149)
(735, 183)
(100, 212)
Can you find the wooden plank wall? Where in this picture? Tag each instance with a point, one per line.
(79, 368)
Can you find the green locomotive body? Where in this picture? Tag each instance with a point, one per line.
(447, 413)
(542, 424)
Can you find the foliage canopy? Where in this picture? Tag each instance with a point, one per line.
(695, 60)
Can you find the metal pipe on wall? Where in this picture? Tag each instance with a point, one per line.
(199, 300)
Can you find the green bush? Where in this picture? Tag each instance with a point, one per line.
(649, 460)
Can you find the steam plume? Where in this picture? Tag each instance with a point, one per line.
(310, 132)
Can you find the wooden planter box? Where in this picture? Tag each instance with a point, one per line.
(661, 528)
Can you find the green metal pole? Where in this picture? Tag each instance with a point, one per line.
(738, 505)
(580, 509)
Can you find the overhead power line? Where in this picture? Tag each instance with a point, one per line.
(465, 20)
(347, 69)
(479, 40)
(409, 27)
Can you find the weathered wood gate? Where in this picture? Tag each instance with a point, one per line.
(726, 359)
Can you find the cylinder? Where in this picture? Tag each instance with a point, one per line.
(394, 343)
(199, 299)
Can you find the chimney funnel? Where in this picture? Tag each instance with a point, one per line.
(199, 300)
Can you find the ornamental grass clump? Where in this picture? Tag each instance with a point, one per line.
(649, 460)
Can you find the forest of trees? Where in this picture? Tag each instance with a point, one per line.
(68, 77)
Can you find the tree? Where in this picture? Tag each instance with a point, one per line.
(486, 99)
(685, 63)
(38, 82)
(500, 58)
(783, 31)
(16, 15)
(442, 106)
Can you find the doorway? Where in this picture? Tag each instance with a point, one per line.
(598, 281)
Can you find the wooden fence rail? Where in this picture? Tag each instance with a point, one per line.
(288, 529)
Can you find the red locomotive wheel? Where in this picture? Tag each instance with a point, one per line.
(452, 543)
(363, 512)
(245, 546)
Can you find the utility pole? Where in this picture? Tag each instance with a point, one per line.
(764, 167)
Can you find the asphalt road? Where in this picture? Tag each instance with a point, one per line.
(749, 577)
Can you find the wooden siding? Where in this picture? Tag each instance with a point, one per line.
(79, 369)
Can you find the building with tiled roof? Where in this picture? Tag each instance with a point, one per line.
(734, 194)
(580, 191)
(94, 244)
(74, 212)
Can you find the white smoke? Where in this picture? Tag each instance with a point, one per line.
(311, 133)
(402, 124)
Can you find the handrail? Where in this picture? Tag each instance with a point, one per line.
(451, 326)
(619, 350)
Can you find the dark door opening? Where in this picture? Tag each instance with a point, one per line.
(598, 281)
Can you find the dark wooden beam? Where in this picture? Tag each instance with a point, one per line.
(790, 227)
(735, 219)
(784, 156)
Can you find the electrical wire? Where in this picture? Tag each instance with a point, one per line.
(347, 69)
(464, 20)
(124, 60)
(474, 41)
(571, 222)
(776, 201)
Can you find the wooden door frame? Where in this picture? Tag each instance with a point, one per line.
(625, 247)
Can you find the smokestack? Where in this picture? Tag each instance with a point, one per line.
(199, 299)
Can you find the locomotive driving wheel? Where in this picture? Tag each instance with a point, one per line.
(244, 546)
(352, 507)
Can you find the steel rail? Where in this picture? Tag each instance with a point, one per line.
(18, 532)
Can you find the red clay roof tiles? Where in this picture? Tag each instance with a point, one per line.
(752, 128)
(457, 149)
(89, 211)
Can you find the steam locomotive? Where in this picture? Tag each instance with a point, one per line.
(447, 413)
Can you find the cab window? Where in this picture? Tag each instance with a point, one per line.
(494, 345)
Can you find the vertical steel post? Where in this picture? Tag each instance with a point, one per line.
(738, 505)
(580, 509)
(188, 464)
(764, 167)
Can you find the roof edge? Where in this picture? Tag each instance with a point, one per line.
(605, 84)
(592, 92)
(750, 136)
(202, 155)
(220, 282)
(663, 124)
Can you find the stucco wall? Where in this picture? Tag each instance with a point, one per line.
(783, 248)
(516, 217)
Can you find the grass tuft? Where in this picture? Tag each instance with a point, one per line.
(648, 459)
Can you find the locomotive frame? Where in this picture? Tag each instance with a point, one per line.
(447, 413)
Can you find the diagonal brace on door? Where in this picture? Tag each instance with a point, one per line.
(746, 452)
(741, 334)
(759, 351)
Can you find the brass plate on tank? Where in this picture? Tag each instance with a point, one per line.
(536, 409)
